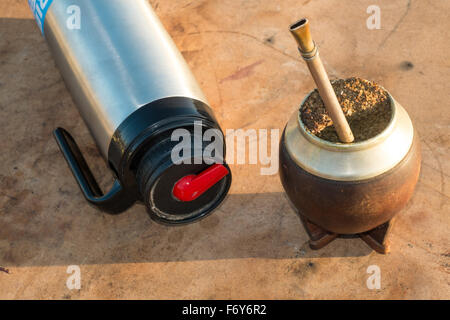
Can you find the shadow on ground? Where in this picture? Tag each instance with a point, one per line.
(246, 226)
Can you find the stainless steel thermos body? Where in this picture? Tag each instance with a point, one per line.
(133, 88)
(120, 59)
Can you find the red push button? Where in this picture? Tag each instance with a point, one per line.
(193, 186)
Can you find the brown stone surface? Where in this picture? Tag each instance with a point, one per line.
(254, 246)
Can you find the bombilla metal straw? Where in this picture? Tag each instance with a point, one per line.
(310, 53)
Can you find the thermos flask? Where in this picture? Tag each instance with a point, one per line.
(133, 88)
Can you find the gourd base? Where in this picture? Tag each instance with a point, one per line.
(377, 238)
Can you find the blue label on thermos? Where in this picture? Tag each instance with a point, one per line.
(39, 9)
